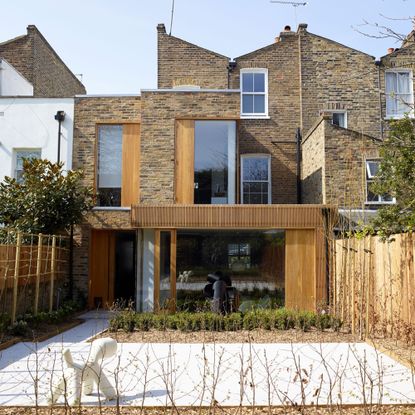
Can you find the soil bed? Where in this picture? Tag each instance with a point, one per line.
(242, 336)
(345, 410)
(39, 333)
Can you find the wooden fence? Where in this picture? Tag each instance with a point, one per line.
(32, 268)
(374, 285)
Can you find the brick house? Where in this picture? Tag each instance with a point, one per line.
(232, 165)
(35, 86)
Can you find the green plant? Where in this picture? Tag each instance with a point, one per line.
(305, 320)
(47, 200)
(284, 319)
(19, 328)
(323, 321)
(232, 322)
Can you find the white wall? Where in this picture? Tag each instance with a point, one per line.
(30, 123)
(12, 83)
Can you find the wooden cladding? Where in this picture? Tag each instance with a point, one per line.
(228, 216)
(184, 173)
(130, 165)
(300, 269)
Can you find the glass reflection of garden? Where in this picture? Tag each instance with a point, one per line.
(253, 259)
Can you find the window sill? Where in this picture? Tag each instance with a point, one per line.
(255, 117)
(116, 208)
(380, 203)
(398, 117)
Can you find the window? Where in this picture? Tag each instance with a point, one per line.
(399, 93)
(214, 162)
(372, 168)
(19, 155)
(340, 118)
(109, 165)
(239, 256)
(256, 179)
(254, 92)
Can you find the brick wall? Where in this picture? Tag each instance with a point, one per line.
(159, 112)
(36, 60)
(276, 135)
(88, 113)
(313, 164)
(338, 77)
(340, 174)
(182, 63)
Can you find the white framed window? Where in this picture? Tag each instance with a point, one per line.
(254, 92)
(399, 93)
(372, 168)
(339, 118)
(256, 179)
(19, 155)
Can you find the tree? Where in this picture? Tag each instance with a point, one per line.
(46, 200)
(396, 177)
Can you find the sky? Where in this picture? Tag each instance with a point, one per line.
(112, 43)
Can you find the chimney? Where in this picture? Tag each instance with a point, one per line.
(161, 28)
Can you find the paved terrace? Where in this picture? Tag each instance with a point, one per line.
(194, 374)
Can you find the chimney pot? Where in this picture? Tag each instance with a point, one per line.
(391, 50)
(287, 28)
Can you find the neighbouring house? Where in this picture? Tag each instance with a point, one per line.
(36, 103)
(232, 165)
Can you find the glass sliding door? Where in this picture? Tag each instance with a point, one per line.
(165, 269)
(214, 162)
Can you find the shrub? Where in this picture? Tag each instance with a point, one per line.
(232, 322)
(305, 320)
(140, 321)
(19, 328)
(284, 319)
(323, 321)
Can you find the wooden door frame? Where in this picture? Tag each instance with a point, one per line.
(173, 253)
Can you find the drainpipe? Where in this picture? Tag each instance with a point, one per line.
(378, 63)
(60, 117)
(327, 229)
(298, 140)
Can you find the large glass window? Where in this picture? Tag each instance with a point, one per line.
(109, 165)
(252, 259)
(20, 155)
(254, 92)
(256, 179)
(399, 93)
(214, 162)
(372, 168)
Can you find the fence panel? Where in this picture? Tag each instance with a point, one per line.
(31, 279)
(374, 285)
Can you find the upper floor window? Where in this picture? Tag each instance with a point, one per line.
(19, 156)
(372, 168)
(399, 93)
(256, 179)
(254, 92)
(109, 165)
(340, 118)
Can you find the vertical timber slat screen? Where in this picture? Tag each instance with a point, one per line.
(374, 285)
(28, 263)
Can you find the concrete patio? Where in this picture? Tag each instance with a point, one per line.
(196, 374)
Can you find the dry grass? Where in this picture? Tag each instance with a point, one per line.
(351, 410)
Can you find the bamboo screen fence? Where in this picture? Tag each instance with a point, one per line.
(374, 285)
(32, 270)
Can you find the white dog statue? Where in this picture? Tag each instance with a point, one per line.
(80, 378)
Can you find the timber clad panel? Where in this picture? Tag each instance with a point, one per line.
(300, 269)
(184, 174)
(130, 165)
(99, 268)
(227, 216)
